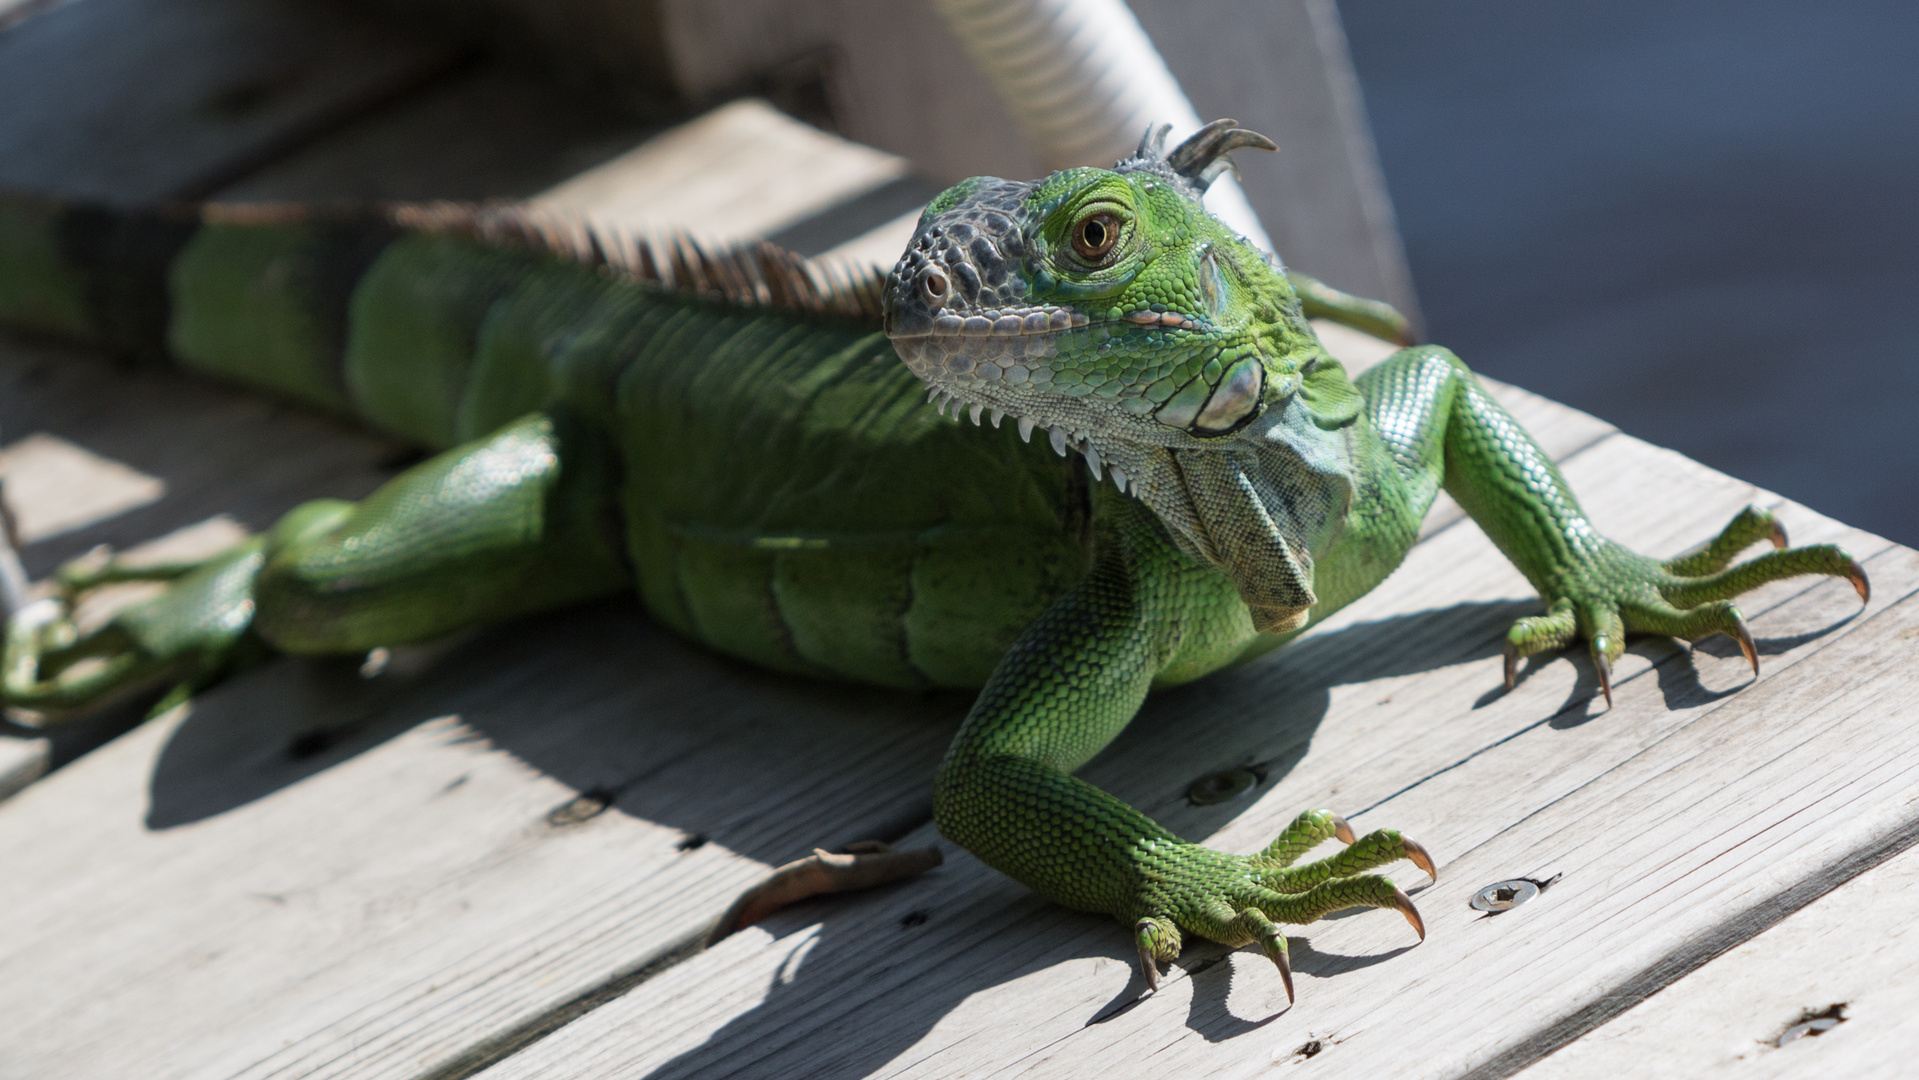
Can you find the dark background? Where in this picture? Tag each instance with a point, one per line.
(1699, 221)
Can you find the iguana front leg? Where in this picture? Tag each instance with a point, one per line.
(1071, 683)
(1439, 425)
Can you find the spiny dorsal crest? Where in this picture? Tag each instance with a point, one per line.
(752, 274)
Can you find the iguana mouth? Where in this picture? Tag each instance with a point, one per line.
(1008, 322)
(988, 366)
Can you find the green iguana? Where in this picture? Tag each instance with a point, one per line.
(755, 452)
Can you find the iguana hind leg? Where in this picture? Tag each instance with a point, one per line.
(191, 634)
(510, 524)
(520, 521)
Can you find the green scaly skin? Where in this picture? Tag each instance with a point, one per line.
(772, 483)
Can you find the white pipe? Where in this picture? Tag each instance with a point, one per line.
(1083, 81)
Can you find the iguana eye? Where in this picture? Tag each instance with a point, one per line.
(1095, 236)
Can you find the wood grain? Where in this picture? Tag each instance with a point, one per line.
(311, 875)
(739, 172)
(23, 759)
(1856, 947)
(489, 131)
(134, 101)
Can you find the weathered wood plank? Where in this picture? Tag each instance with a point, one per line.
(156, 450)
(1855, 947)
(141, 100)
(54, 486)
(1396, 716)
(23, 759)
(739, 172)
(488, 132)
(306, 874)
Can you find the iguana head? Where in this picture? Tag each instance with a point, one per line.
(1108, 307)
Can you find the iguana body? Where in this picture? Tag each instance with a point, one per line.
(750, 453)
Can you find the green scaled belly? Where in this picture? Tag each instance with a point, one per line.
(793, 501)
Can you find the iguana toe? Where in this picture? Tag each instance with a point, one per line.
(1244, 899)
(1273, 944)
(1857, 575)
(1404, 905)
(1417, 854)
(1159, 942)
(1609, 592)
(1743, 634)
(1603, 667)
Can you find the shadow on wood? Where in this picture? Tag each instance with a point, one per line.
(1270, 732)
(616, 709)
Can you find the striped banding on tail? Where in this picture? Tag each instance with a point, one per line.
(132, 279)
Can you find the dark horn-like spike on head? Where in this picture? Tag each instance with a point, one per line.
(1153, 143)
(1203, 156)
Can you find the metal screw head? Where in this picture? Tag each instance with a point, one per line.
(1810, 1027)
(1811, 1023)
(1220, 787)
(1504, 895)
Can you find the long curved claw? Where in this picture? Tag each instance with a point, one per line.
(1743, 634)
(1273, 944)
(1536, 634)
(1157, 938)
(1857, 575)
(1778, 537)
(1417, 854)
(1404, 905)
(1603, 665)
(1342, 830)
(1149, 967)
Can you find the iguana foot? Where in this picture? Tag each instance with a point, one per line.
(1241, 899)
(1611, 592)
(187, 635)
(861, 866)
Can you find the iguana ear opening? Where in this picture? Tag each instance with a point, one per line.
(1203, 156)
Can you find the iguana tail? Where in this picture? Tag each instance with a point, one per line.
(370, 312)
(88, 273)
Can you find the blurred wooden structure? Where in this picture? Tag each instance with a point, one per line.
(496, 858)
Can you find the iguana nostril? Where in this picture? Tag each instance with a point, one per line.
(935, 285)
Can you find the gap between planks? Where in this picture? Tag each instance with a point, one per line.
(1856, 947)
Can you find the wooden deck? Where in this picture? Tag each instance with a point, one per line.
(496, 858)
